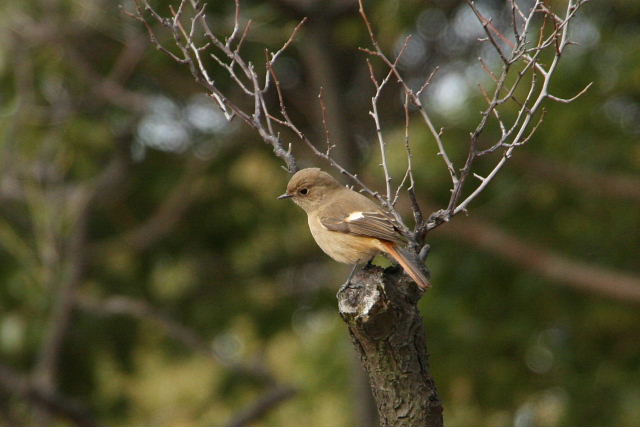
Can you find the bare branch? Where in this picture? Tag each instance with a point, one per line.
(522, 129)
(415, 99)
(487, 70)
(513, 133)
(52, 402)
(580, 275)
(276, 55)
(389, 200)
(415, 206)
(265, 403)
(489, 29)
(45, 372)
(573, 98)
(531, 132)
(323, 109)
(607, 185)
(192, 56)
(119, 305)
(236, 28)
(427, 82)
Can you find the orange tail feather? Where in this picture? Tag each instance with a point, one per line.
(409, 265)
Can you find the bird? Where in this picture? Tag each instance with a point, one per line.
(348, 226)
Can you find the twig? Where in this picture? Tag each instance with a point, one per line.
(47, 363)
(265, 403)
(607, 185)
(521, 130)
(52, 402)
(389, 202)
(323, 110)
(415, 206)
(580, 275)
(118, 305)
(573, 98)
(415, 99)
(191, 55)
(275, 56)
(520, 51)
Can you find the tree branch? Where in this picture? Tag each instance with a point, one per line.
(191, 54)
(580, 275)
(127, 306)
(265, 403)
(382, 313)
(120, 305)
(45, 370)
(51, 402)
(388, 332)
(607, 185)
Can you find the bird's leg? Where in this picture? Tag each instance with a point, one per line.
(347, 284)
(424, 252)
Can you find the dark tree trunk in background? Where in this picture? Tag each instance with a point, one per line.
(388, 332)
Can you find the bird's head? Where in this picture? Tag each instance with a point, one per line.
(308, 187)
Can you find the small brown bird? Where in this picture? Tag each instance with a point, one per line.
(348, 226)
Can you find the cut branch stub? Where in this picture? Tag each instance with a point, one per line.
(387, 330)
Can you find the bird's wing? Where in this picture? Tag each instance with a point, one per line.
(369, 223)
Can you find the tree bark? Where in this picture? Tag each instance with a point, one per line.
(380, 310)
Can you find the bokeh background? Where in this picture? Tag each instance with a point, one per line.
(148, 275)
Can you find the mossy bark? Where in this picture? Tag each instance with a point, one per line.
(380, 310)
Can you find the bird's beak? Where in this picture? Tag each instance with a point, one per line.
(285, 196)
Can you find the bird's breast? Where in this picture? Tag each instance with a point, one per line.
(343, 247)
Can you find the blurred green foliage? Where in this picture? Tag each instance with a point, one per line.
(191, 226)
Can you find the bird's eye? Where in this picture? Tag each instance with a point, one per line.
(304, 191)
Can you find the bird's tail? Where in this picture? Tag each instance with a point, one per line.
(409, 264)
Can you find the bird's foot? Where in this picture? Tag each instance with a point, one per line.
(424, 252)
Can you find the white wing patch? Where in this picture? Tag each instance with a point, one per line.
(364, 223)
(354, 217)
